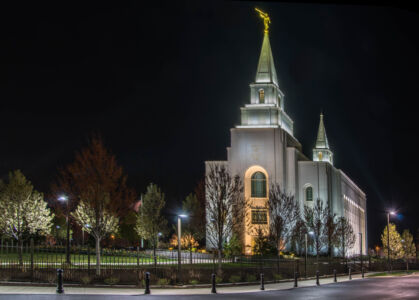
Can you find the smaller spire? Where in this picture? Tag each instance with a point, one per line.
(321, 151)
(322, 142)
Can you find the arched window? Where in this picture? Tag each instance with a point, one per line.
(261, 96)
(258, 187)
(309, 193)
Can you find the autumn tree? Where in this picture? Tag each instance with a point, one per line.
(408, 245)
(314, 217)
(96, 185)
(396, 248)
(225, 206)
(194, 228)
(345, 237)
(149, 219)
(23, 211)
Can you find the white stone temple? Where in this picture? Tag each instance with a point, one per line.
(264, 150)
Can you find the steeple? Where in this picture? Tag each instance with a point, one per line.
(266, 72)
(266, 108)
(321, 151)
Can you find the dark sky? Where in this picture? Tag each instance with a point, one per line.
(163, 85)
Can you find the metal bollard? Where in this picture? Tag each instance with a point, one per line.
(147, 283)
(296, 279)
(213, 290)
(350, 273)
(60, 289)
(362, 270)
(317, 277)
(262, 282)
(335, 276)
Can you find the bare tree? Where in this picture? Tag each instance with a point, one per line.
(225, 206)
(298, 235)
(283, 214)
(329, 230)
(315, 217)
(345, 237)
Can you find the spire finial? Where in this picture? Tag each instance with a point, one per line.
(266, 19)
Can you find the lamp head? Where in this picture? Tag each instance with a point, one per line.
(63, 198)
(182, 216)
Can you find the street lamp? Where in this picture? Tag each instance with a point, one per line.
(179, 231)
(360, 250)
(305, 260)
(64, 198)
(388, 238)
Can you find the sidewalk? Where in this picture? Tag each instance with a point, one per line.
(156, 291)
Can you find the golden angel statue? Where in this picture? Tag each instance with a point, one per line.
(266, 19)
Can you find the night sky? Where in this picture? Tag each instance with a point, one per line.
(163, 85)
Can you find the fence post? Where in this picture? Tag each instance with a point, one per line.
(317, 277)
(362, 271)
(296, 279)
(350, 273)
(262, 282)
(88, 258)
(335, 276)
(213, 289)
(147, 283)
(32, 259)
(60, 289)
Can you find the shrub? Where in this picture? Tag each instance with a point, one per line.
(193, 281)
(163, 281)
(250, 278)
(218, 279)
(85, 280)
(112, 280)
(234, 278)
(277, 276)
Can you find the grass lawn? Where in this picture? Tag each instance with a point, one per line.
(394, 273)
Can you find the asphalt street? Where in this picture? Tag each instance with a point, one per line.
(406, 287)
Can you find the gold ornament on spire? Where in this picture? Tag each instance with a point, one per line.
(266, 19)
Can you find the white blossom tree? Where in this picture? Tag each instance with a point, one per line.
(409, 247)
(23, 211)
(97, 220)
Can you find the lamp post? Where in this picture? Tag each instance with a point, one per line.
(65, 199)
(179, 230)
(305, 260)
(388, 238)
(360, 251)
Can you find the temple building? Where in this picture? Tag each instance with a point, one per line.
(264, 151)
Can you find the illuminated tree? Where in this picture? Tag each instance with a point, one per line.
(225, 207)
(149, 219)
(396, 248)
(284, 212)
(23, 211)
(345, 237)
(298, 235)
(314, 217)
(329, 230)
(409, 248)
(97, 219)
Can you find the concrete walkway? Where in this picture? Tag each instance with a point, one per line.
(176, 291)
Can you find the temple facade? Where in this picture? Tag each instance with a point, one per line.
(264, 151)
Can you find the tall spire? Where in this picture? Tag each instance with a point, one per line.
(321, 151)
(266, 72)
(321, 135)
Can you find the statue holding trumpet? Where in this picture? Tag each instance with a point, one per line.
(266, 19)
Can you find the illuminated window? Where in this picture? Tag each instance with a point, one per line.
(309, 193)
(320, 156)
(261, 96)
(259, 216)
(258, 186)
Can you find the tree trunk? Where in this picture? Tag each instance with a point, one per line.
(19, 251)
(190, 255)
(97, 256)
(154, 255)
(219, 262)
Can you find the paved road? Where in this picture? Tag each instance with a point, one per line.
(406, 287)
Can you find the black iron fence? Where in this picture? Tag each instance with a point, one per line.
(39, 263)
